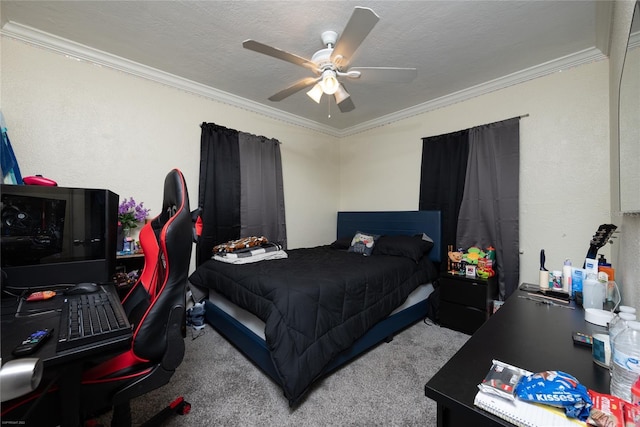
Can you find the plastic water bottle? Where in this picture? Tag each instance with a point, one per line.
(625, 369)
(617, 325)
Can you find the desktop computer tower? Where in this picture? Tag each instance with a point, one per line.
(57, 235)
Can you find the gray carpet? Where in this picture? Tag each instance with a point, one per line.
(383, 387)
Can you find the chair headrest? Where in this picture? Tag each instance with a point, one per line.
(174, 196)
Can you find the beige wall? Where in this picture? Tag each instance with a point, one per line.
(88, 126)
(84, 125)
(564, 160)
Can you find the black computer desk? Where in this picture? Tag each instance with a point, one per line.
(66, 366)
(523, 333)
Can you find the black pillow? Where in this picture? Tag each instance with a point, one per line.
(413, 247)
(342, 243)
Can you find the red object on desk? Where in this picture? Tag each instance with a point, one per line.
(41, 295)
(39, 180)
(635, 392)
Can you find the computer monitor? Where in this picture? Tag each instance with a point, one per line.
(57, 235)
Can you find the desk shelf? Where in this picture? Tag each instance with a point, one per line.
(129, 262)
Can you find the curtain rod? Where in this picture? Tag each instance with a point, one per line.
(522, 116)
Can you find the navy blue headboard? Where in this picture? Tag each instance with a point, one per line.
(394, 223)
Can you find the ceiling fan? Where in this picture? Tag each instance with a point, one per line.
(331, 64)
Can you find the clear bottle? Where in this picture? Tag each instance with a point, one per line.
(617, 325)
(625, 369)
(593, 292)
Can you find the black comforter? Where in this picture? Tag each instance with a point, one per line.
(316, 303)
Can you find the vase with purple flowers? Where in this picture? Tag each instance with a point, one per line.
(130, 214)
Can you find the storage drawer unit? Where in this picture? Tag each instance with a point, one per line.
(465, 302)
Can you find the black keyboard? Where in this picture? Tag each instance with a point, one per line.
(89, 318)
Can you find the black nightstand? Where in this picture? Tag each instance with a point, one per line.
(466, 302)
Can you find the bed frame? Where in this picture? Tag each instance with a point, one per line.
(388, 223)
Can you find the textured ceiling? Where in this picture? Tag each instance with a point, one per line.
(455, 45)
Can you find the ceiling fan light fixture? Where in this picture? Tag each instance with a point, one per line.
(341, 94)
(329, 82)
(316, 93)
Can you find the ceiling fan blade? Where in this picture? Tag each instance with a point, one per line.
(346, 105)
(386, 74)
(296, 87)
(360, 24)
(343, 99)
(278, 53)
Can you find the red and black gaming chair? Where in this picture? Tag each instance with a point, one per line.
(155, 306)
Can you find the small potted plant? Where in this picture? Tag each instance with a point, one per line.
(130, 214)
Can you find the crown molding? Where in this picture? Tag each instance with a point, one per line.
(72, 49)
(583, 57)
(79, 51)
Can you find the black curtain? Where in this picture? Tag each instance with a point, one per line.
(241, 190)
(262, 190)
(472, 177)
(220, 204)
(489, 213)
(444, 166)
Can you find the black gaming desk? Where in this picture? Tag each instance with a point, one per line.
(19, 320)
(523, 333)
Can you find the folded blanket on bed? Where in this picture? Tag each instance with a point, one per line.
(249, 255)
(239, 244)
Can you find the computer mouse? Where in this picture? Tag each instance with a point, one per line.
(82, 288)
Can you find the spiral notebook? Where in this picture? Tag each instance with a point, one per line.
(524, 414)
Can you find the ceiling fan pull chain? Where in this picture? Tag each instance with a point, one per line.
(329, 106)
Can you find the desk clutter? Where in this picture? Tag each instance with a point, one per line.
(88, 313)
(593, 284)
(614, 344)
(550, 398)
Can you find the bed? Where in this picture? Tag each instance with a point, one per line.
(300, 318)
